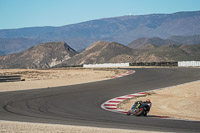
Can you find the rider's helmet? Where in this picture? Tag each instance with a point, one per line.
(148, 101)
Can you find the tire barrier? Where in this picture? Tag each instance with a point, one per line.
(13, 78)
(66, 66)
(154, 64)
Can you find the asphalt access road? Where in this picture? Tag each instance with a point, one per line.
(80, 104)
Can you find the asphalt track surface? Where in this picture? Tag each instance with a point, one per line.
(80, 104)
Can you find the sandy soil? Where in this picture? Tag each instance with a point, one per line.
(181, 101)
(55, 77)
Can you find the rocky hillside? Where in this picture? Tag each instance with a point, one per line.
(102, 52)
(155, 40)
(192, 50)
(57, 54)
(41, 56)
(122, 29)
(169, 52)
(195, 39)
(175, 40)
(112, 52)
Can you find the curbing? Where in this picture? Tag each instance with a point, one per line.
(112, 104)
(124, 74)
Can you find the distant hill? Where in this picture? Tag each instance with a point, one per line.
(101, 52)
(57, 54)
(122, 29)
(176, 40)
(2, 53)
(192, 50)
(41, 56)
(155, 40)
(189, 40)
(170, 52)
(148, 46)
(167, 53)
(15, 45)
(112, 52)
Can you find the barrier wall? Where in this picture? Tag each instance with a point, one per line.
(189, 63)
(107, 65)
(132, 64)
(172, 64)
(13, 78)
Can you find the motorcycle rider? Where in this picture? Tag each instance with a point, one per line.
(146, 104)
(136, 103)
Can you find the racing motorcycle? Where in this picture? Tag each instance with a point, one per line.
(138, 110)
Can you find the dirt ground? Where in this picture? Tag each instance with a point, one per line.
(22, 127)
(35, 78)
(181, 101)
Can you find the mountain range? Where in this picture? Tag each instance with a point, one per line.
(113, 52)
(122, 29)
(58, 54)
(100, 52)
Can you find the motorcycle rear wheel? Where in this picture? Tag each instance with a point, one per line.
(139, 112)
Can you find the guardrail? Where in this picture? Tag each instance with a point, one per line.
(12, 78)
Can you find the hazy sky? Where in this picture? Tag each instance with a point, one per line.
(30, 13)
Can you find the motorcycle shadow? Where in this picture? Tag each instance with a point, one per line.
(156, 116)
(153, 116)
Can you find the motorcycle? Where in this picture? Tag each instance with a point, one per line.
(138, 110)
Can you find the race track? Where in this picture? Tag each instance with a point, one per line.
(80, 104)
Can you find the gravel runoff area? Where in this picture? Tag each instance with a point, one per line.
(181, 101)
(35, 78)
